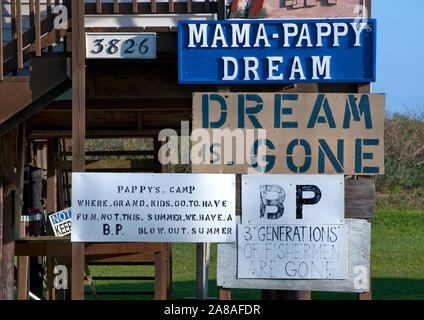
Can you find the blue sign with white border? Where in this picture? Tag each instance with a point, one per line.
(276, 51)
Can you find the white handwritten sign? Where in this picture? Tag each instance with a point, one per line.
(141, 207)
(292, 227)
(292, 251)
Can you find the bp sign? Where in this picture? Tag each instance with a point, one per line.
(292, 227)
(277, 51)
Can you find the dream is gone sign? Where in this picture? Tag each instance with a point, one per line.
(279, 133)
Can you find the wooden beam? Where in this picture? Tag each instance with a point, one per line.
(78, 131)
(37, 28)
(1, 44)
(165, 104)
(19, 30)
(33, 107)
(44, 134)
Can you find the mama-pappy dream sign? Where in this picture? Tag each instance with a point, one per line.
(141, 207)
(292, 227)
(276, 51)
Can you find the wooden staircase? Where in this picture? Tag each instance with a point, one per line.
(22, 96)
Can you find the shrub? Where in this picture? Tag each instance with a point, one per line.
(404, 153)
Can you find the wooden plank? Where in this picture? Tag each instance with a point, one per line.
(127, 258)
(78, 131)
(160, 276)
(98, 6)
(43, 249)
(163, 105)
(135, 6)
(358, 238)
(359, 199)
(111, 153)
(189, 6)
(115, 6)
(153, 6)
(19, 32)
(171, 6)
(121, 248)
(224, 293)
(113, 164)
(37, 28)
(50, 20)
(13, 20)
(1, 45)
(2, 213)
(23, 285)
(117, 278)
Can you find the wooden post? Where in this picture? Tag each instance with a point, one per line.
(50, 208)
(51, 176)
(224, 293)
(8, 160)
(1, 219)
(23, 275)
(78, 132)
(167, 258)
(366, 88)
(23, 262)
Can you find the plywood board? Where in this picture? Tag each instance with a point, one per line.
(288, 133)
(358, 266)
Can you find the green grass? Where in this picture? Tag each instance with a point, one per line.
(397, 264)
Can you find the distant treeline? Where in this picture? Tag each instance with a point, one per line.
(404, 153)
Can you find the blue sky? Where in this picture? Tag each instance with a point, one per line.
(400, 53)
